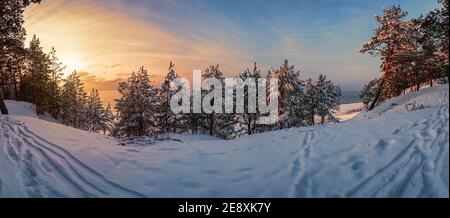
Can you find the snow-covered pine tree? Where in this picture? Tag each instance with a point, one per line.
(12, 52)
(267, 127)
(310, 102)
(136, 108)
(328, 98)
(194, 121)
(96, 116)
(55, 68)
(389, 41)
(110, 126)
(369, 92)
(431, 55)
(290, 95)
(73, 100)
(248, 120)
(218, 124)
(210, 121)
(167, 120)
(36, 85)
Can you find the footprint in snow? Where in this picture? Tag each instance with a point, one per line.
(358, 165)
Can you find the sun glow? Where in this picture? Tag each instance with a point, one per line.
(72, 61)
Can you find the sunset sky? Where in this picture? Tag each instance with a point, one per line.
(105, 40)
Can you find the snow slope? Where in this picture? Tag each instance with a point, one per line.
(21, 108)
(348, 111)
(389, 152)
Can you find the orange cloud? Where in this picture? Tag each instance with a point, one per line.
(89, 37)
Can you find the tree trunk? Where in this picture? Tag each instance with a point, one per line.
(380, 88)
(3, 108)
(211, 126)
(323, 120)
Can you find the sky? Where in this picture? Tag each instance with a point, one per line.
(106, 40)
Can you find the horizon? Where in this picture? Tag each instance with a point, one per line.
(107, 40)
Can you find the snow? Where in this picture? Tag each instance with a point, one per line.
(21, 108)
(348, 111)
(391, 151)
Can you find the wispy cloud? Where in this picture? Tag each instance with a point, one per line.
(111, 38)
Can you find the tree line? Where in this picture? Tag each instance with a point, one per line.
(144, 109)
(413, 52)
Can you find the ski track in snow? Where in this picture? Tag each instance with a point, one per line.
(38, 158)
(416, 161)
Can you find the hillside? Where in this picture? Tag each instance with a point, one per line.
(400, 149)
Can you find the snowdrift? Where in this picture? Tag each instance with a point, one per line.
(396, 150)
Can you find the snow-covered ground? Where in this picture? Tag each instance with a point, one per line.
(400, 149)
(348, 111)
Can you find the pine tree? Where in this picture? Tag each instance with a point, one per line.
(168, 121)
(290, 95)
(210, 121)
(73, 101)
(194, 121)
(369, 92)
(310, 102)
(249, 120)
(217, 124)
(56, 68)
(12, 52)
(35, 87)
(432, 44)
(328, 98)
(110, 124)
(137, 106)
(96, 116)
(390, 42)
